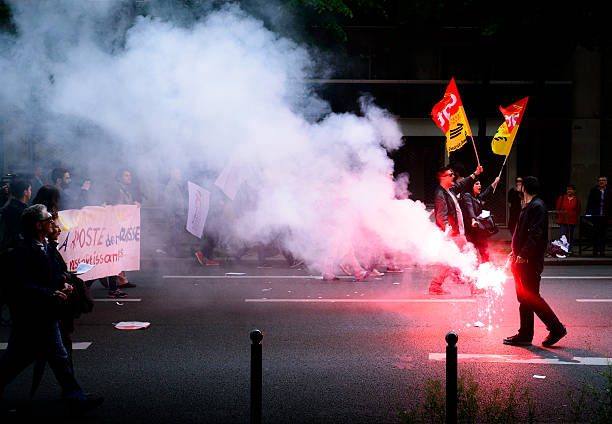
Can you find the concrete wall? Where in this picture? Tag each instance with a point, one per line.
(586, 123)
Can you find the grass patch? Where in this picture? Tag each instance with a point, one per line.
(509, 406)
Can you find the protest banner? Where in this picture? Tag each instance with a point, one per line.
(199, 203)
(230, 179)
(106, 237)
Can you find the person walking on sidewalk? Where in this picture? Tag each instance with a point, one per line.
(527, 261)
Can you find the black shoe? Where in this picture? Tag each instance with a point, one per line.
(84, 404)
(127, 286)
(517, 340)
(117, 294)
(554, 336)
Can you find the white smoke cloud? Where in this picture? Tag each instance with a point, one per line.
(95, 82)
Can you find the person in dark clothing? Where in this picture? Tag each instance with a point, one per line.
(33, 299)
(527, 260)
(63, 181)
(515, 200)
(38, 179)
(84, 198)
(471, 207)
(4, 193)
(599, 207)
(48, 195)
(10, 213)
(77, 302)
(449, 218)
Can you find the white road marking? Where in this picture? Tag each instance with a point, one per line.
(75, 345)
(594, 300)
(121, 299)
(343, 277)
(360, 300)
(521, 359)
(578, 277)
(268, 277)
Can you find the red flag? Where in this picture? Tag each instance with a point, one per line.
(449, 115)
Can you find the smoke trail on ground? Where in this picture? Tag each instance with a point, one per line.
(97, 83)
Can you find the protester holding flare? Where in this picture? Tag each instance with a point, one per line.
(450, 219)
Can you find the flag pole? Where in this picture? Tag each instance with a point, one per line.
(475, 151)
(502, 168)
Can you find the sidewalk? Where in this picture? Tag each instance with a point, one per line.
(500, 243)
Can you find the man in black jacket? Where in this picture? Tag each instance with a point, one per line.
(449, 217)
(35, 291)
(527, 259)
(10, 219)
(599, 207)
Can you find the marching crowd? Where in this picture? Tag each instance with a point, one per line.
(44, 298)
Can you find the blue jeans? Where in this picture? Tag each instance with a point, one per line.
(567, 230)
(33, 341)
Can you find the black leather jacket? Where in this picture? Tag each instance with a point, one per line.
(471, 207)
(594, 200)
(446, 214)
(531, 236)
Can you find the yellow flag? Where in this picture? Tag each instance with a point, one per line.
(504, 137)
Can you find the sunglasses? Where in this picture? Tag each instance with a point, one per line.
(450, 174)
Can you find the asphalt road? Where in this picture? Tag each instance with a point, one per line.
(338, 352)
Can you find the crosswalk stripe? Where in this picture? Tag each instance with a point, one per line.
(75, 345)
(265, 300)
(520, 359)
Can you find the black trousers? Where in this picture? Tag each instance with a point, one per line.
(481, 243)
(527, 284)
(600, 228)
(28, 343)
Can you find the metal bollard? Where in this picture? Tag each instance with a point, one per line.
(256, 357)
(451, 377)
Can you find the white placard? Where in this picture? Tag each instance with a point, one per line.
(230, 179)
(199, 203)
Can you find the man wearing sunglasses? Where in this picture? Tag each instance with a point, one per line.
(449, 217)
(34, 294)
